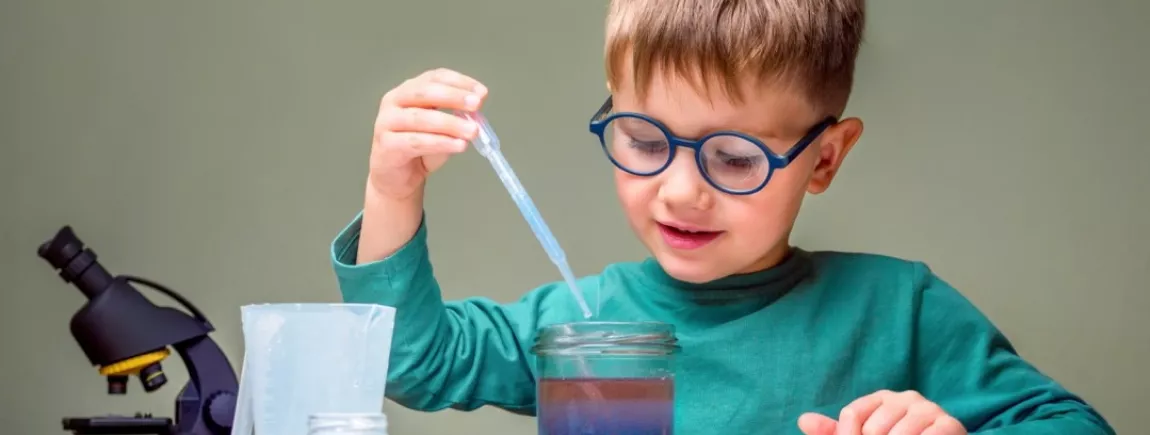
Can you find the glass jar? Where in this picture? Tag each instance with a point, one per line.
(606, 378)
(347, 424)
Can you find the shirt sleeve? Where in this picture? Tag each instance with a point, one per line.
(461, 354)
(966, 366)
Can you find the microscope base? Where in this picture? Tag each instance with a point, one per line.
(140, 424)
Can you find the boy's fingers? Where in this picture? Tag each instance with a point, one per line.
(863, 407)
(434, 162)
(884, 418)
(816, 424)
(455, 79)
(849, 423)
(918, 418)
(945, 425)
(421, 144)
(416, 120)
(433, 95)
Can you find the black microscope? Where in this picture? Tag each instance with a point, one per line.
(124, 334)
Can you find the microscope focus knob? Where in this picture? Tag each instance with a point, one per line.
(219, 412)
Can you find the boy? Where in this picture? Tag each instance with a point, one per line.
(787, 340)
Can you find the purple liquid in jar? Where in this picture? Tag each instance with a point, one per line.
(627, 406)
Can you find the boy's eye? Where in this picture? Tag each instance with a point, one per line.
(737, 161)
(732, 153)
(649, 146)
(734, 162)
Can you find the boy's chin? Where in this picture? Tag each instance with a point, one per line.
(687, 270)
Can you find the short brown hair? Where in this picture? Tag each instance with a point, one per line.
(808, 44)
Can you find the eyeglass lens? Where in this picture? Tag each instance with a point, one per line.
(730, 161)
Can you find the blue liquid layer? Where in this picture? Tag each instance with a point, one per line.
(606, 417)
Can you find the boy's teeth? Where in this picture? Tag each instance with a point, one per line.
(686, 231)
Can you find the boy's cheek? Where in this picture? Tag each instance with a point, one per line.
(634, 196)
(633, 191)
(788, 187)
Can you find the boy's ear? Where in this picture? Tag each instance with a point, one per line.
(834, 144)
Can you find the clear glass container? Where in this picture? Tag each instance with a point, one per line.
(606, 378)
(347, 424)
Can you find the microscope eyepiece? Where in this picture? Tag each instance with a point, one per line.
(77, 265)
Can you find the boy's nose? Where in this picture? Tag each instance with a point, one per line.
(682, 186)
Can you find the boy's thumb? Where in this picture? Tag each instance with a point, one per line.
(817, 424)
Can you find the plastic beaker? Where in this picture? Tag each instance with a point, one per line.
(606, 377)
(306, 359)
(348, 424)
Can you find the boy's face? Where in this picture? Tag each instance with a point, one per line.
(730, 234)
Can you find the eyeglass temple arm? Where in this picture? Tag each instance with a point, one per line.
(803, 143)
(603, 109)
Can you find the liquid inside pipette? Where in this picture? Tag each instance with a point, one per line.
(488, 146)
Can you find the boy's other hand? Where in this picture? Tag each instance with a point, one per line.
(885, 413)
(413, 137)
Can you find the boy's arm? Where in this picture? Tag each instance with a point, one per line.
(460, 355)
(967, 366)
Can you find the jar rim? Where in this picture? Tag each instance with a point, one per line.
(603, 337)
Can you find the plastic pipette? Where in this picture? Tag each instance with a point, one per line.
(488, 146)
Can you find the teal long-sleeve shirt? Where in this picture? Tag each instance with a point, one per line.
(758, 350)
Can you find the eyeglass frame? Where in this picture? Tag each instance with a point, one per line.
(775, 161)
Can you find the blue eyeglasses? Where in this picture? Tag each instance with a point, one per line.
(733, 162)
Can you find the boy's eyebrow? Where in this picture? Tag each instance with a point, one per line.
(766, 131)
(763, 134)
(768, 134)
(796, 131)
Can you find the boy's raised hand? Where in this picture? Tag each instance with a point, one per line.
(885, 413)
(413, 137)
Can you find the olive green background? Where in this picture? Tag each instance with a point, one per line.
(218, 147)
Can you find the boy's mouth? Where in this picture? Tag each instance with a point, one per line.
(681, 238)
